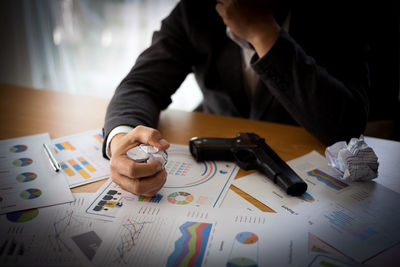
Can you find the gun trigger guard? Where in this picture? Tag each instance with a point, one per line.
(245, 159)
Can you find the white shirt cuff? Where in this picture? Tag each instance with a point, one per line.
(114, 132)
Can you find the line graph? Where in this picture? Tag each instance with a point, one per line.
(130, 233)
(52, 244)
(60, 229)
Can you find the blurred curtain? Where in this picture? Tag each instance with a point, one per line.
(82, 47)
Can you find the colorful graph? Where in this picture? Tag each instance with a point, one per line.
(180, 168)
(22, 162)
(130, 233)
(107, 202)
(190, 248)
(180, 198)
(247, 238)
(22, 216)
(347, 223)
(61, 226)
(327, 179)
(155, 199)
(99, 137)
(31, 193)
(79, 169)
(12, 247)
(307, 197)
(65, 146)
(26, 177)
(67, 169)
(182, 165)
(241, 262)
(86, 164)
(18, 148)
(105, 205)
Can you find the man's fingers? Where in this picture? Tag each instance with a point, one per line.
(138, 178)
(140, 135)
(143, 134)
(148, 186)
(161, 144)
(131, 169)
(146, 135)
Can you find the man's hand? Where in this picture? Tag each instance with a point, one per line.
(139, 178)
(251, 20)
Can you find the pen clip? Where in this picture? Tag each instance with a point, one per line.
(53, 162)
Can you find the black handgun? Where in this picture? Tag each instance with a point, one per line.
(250, 152)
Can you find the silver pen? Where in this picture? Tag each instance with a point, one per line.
(54, 163)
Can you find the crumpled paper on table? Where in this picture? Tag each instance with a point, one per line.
(355, 161)
(147, 153)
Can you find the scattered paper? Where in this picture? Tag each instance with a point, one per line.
(233, 200)
(189, 183)
(27, 178)
(38, 237)
(324, 259)
(388, 153)
(150, 235)
(80, 157)
(358, 219)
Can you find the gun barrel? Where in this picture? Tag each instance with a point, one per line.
(281, 173)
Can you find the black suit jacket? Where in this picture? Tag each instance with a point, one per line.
(315, 76)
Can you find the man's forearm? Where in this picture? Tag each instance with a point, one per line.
(330, 108)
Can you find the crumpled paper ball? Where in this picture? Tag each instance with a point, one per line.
(147, 153)
(355, 161)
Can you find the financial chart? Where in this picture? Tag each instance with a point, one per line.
(189, 183)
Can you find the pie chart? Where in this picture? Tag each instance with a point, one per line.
(26, 177)
(18, 148)
(180, 198)
(30, 193)
(247, 238)
(22, 216)
(22, 162)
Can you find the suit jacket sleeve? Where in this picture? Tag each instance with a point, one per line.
(329, 101)
(156, 75)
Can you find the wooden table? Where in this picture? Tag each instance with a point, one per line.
(25, 111)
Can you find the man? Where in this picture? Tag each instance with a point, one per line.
(247, 65)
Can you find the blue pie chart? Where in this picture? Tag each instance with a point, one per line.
(18, 148)
(22, 162)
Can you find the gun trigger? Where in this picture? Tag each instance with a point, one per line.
(245, 159)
